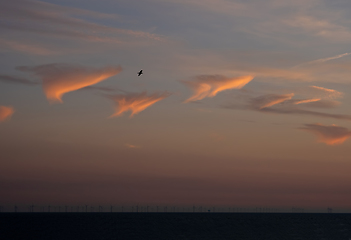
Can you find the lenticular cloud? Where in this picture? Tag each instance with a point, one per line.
(209, 85)
(136, 102)
(59, 79)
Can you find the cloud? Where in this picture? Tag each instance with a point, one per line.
(306, 112)
(209, 85)
(331, 93)
(6, 112)
(320, 27)
(322, 60)
(53, 20)
(103, 89)
(270, 100)
(269, 103)
(330, 135)
(26, 48)
(16, 80)
(136, 102)
(306, 101)
(59, 79)
(320, 104)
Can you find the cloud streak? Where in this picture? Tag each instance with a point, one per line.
(307, 101)
(16, 80)
(26, 48)
(136, 102)
(59, 79)
(331, 93)
(6, 112)
(270, 103)
(331, 135)
(53, 20)
(209, 85)
(307, 112)
(270, 100)
(322, 60)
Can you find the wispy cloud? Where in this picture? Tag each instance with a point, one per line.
(306, 101)
(330, 135)
(42, 18)
(16, 80)
(209, 85)
(320, 104)
(322, 60)
(26, 48)
(59, 79)
(6, 112)
(270, 100)
(136, 102)
(269, 103)
(299, 111)
(319, 27)
(103, 89)
(330, 93)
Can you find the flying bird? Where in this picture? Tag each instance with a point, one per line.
(141, 72)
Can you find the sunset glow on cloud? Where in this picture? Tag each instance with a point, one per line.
(59, 79)
(6, 112)
(331, 93)
(331, 135)
(214, 120)
(270, 100)
(209, 85)
(136, 102)
(307, 101)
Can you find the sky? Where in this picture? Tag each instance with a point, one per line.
(241, 103)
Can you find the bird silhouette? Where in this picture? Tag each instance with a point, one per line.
(141, 72)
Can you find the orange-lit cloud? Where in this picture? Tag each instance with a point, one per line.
(6, 113)
(330, 135)
(59, 79)
(209, 85)
(307, 100)
(270, 100)
(331, 93)
(136, 102)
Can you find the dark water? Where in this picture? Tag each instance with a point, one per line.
(255, 226)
